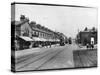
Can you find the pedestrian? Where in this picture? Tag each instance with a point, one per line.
(92, 42)
(92, 45)
(87, 45)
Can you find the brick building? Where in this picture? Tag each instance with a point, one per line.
(84, 37)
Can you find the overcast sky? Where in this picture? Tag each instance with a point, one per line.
(58, 18)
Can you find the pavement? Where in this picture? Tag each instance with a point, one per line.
(26, 52)
(85, 48)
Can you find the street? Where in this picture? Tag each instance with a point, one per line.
(46, 58)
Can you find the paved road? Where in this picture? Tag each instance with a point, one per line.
(48, 58)
(85, 58)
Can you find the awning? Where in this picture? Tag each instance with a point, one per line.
(43, 39)
(57, 40)
(38, 39)
(50, 39)
(26, 38)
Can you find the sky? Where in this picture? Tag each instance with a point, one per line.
(67, 20)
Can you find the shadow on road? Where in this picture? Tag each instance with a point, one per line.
(85, 58)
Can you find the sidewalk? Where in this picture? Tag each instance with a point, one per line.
(26, 52)
(35, 51)
(84, 47)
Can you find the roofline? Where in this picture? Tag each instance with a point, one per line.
(87, 31)
(47, 4)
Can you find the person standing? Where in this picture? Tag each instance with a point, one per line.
(92, 42)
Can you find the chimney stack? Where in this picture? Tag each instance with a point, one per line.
(22, 17)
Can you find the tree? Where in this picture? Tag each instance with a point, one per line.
(93, 29)
(22, 17)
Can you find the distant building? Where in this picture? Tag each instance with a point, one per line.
(85, 37)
